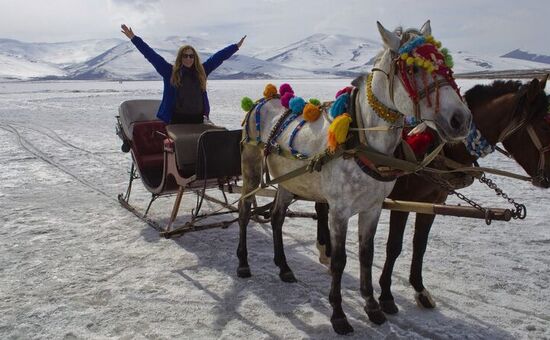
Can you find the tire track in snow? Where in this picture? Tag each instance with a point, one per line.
(31, 148)
(56, 137)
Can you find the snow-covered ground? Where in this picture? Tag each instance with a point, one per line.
(74, 264)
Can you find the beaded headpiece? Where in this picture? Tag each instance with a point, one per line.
(424, 52)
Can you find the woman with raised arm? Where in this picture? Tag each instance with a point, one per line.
(184, 100)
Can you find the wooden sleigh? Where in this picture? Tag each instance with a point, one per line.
(173, 159)
(194, 158)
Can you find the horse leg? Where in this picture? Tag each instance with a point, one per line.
(339, 226)
(368, 222)
(251, 173)
(422, 228)
(282, 201)
(323, 233)
(398, 221)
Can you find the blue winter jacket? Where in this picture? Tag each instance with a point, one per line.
(165, 70)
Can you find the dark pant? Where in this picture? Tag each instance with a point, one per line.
(187, 119)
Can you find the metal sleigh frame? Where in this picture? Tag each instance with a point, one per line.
(178, 159)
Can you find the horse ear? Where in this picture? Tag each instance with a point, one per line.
(359, 80)
(390, 39)
(426, 29)
(533, 90)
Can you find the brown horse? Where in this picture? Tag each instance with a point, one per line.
(513, 114)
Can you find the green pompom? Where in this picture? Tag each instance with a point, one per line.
(449, 61)
(315, 101)
(448, 58)
(247, 104)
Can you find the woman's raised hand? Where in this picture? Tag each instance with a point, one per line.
(128, 31)
(241, 42)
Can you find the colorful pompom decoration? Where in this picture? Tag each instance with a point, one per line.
(340, 105)
(247, 104)
(284, 88)
(285, 98)
(315, 101)
(311, 112)
(297, 104)
(338, 131)
(344, 90)
(270, 91)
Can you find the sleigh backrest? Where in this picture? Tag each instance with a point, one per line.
(138, 110)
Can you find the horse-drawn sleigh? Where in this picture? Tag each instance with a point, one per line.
(176, 159)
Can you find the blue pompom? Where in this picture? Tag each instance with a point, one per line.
(297, 104)
(340, 105)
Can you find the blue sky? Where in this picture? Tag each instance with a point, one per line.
(485, 27)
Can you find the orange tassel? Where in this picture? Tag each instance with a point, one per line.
(332, 144)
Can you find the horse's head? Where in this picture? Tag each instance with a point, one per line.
(413, 76)
(528, 138)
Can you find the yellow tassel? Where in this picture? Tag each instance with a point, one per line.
(311, 112)
(410, 61)
(270, 91)
(338, 131)
(404, 56)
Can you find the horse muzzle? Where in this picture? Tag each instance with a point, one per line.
(456, 128)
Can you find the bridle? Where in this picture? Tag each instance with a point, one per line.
(425, 50)
(513, 127)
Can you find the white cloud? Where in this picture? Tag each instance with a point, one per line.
(473, 25)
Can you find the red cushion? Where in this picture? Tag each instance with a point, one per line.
(145, 139)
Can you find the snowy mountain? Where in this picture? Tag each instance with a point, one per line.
(63, 53)
(465, 62)
(327, 55)
(330, 54)
(522, 55)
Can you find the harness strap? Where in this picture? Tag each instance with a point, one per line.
(538, 145)
(475, 170)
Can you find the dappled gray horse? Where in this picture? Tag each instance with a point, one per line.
(398, 86)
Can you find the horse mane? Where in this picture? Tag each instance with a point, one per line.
(481, 94)
(405, 36)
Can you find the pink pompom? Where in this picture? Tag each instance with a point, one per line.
(285, 98)
(284, 88)
(344, 90)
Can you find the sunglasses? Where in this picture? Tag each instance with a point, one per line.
(190, 56)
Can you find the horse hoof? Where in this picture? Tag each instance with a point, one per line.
(376, 316)
(323, 258)
(288, 277)
(243, 272)
(388, 306)
(424, 299)
(341, 326)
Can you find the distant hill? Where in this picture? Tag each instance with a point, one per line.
(326, 55)
(522, 55)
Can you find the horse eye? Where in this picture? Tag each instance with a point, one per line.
(415, 69)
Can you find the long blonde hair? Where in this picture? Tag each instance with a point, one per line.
(175, 79)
